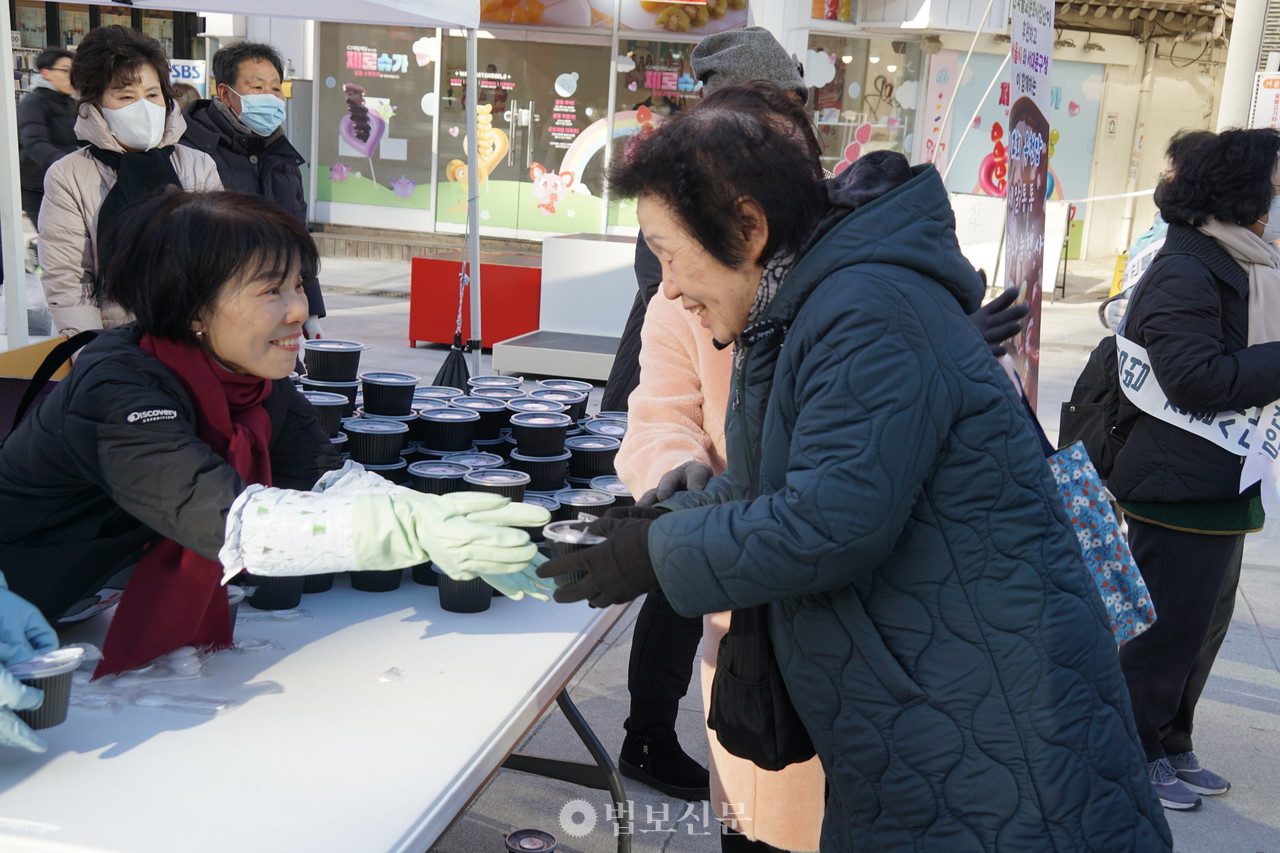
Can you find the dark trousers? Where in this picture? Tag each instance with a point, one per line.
(663, 647)
(31, 204)
(1192, 579)
(732, 841)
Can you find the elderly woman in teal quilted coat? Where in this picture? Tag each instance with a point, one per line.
(886, 498)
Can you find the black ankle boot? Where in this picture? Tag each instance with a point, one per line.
(659, 762)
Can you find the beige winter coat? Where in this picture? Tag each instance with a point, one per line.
(677, 414)
(74, 188)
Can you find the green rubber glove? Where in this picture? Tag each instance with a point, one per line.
(517, 585)
(393, 531)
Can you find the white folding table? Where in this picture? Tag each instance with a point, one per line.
(370, 729)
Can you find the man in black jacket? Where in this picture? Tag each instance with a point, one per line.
(240, 129)
(46, 125)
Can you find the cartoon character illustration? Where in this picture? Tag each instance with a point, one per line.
(549, 187)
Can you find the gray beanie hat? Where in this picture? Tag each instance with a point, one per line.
(740, 56)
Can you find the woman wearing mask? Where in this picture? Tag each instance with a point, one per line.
(129, 118)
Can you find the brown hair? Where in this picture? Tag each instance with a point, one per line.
(111, 57)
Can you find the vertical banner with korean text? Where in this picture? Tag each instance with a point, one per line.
(1030, 64)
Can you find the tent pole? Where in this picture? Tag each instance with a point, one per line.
(15, 274)
(473, 200)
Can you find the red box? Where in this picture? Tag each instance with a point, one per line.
(509, 301)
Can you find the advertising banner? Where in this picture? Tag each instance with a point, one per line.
(190, 71)
(695, 17)
(1028, 175)
(1265, 110)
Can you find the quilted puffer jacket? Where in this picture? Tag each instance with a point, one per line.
(936, 629)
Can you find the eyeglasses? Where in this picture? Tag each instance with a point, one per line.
(66, 70)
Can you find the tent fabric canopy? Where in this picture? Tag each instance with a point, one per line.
(417, 13)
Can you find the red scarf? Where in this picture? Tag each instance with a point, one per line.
(174, 597)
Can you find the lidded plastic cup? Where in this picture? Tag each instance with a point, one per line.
(332, 360)
(329, 408)
(388, 393)
(474, 459)
(613, 484)
(435, 394)
(470, 596)
(50, 672)
(494, 380)
(375, 441)
(575, 402)
(540, 433)
(530, 841)
(493, 415)
(499, 393)
(565, 537)
(547, 502)
(546, 473)
(346, 389)
(567, 384)
(437, 477)
(612, 427)
(593, 455)
(574, 501)
(446, 428)
(498, 481)
(396, 472)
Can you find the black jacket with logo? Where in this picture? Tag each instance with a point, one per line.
(265, 166)
(111, 460)
(1190, 311)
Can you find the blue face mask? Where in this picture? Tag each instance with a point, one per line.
(262, 113)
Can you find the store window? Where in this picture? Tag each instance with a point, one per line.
(73, 23)
(159, 25)
(869, 100)
(111, 17)
(832, 10)
(376, 106)
(31, 24)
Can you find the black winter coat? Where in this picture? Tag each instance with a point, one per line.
(265, 166)
(624, 375)
(111, 459)
(1191, 312)
(46, 132)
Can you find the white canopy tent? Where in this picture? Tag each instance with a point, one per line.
(464, 14)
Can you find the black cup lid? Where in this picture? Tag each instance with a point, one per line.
(325, 398)
(524, 457)
(438, 469)
(606, 426)
(533, 404)
(387, 377)
(560, 395)
(340, 438)
(567, 384)
(500, 392)
(360, 412)
(584, 497)
(443, 414)
(321, 383)
(480, 404)
(495, 381)
(374, 425)
(548, 420)
(497, 477)
(592, 442)
(333, 345)
(475, 459)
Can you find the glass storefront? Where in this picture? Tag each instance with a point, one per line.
(869, 100)
(73, 23)
(31, 25)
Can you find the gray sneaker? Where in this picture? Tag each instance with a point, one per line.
(1195, 777)
(1169, 788)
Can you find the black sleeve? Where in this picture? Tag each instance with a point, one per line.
(315, 299)
(34, 138)
(300, 450)
(624, 375)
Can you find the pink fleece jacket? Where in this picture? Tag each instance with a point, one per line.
(677, 414)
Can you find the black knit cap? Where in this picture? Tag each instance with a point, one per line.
(740, 56)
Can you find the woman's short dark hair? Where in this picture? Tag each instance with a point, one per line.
(739, 142)
(1226, 177)
(168, 258)
(110, 57)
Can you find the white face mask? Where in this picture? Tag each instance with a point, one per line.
(1271, 228)
(138, 126)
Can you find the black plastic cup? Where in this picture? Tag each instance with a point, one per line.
(339, 442)
(397, 472)
(540, 433)
(376, 581)
(547, 502)
(437, 477)
(435, 395)
(545, 472)
(410, 420)
(503, 394)
(493, 415)
(494, 380)
(330, 360)
(447, 428)
(329, 408)
(474, 459)
(346, 389)
(530, 841)
(274, 593)
(566, 537)
(610, 427)
(498, 481)
(312, 584)
(424, 574)
(50, 672)
(593, 455)
(375, 441)
(500, 447)
(612, 484)
(567, 384)
(575, 402)
(473, 596)
(574, 501)
(388, 393)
